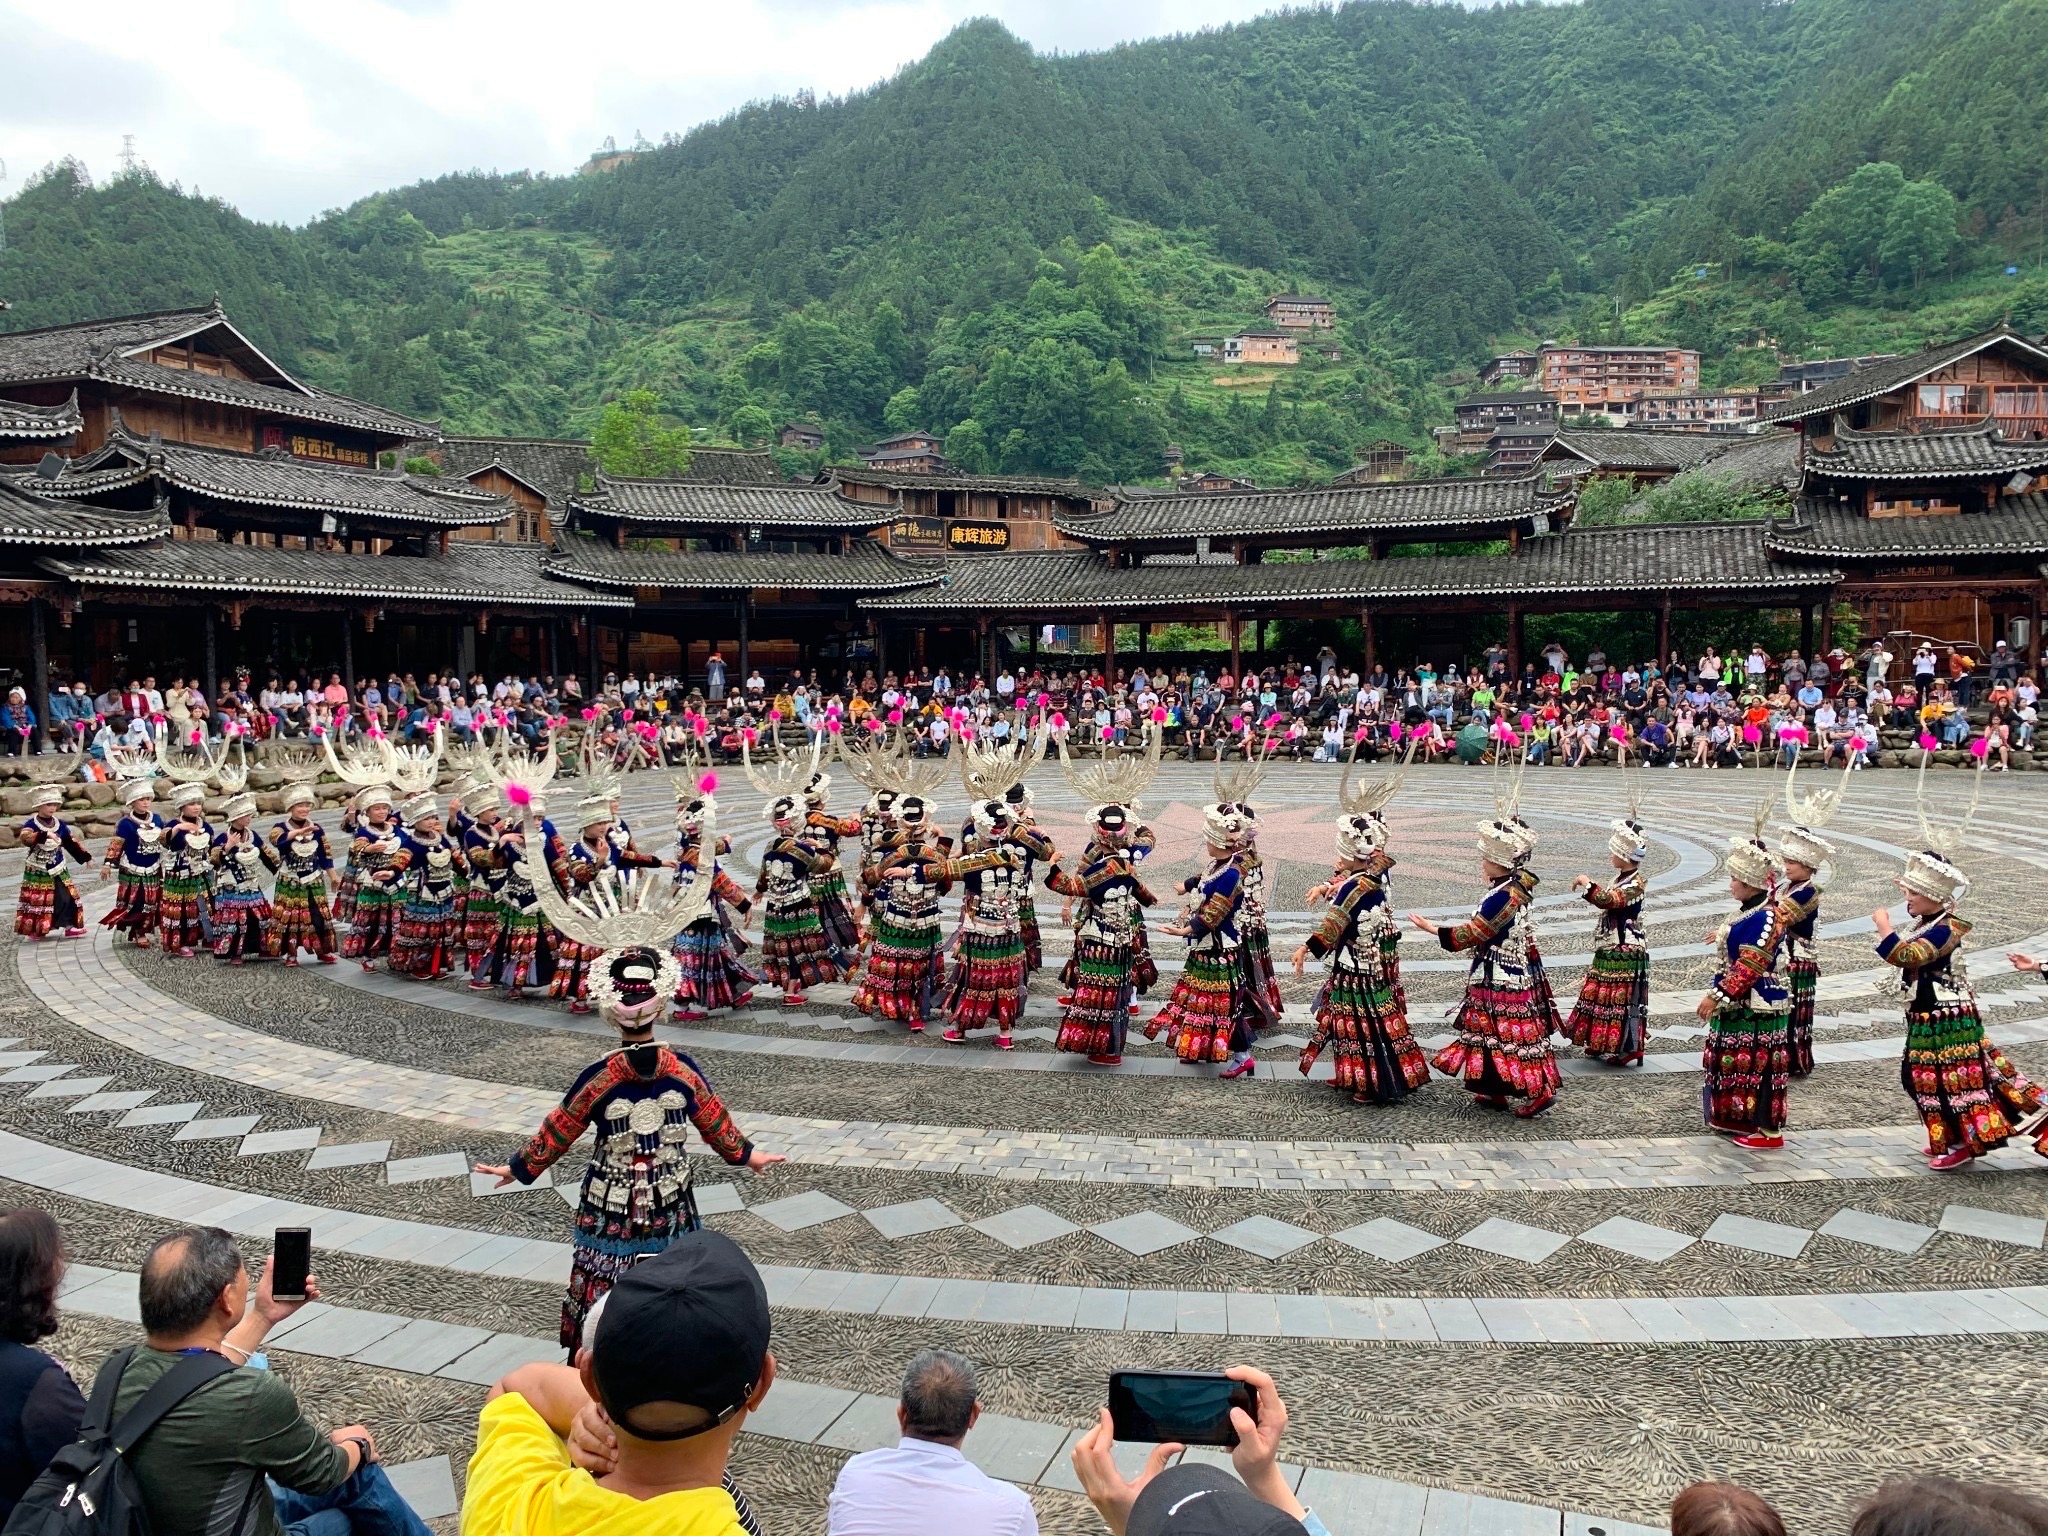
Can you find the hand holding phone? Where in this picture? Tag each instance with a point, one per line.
(1188, 1407)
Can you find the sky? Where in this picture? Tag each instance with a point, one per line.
(287, 108)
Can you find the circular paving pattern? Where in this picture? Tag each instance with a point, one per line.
(1653, 1304)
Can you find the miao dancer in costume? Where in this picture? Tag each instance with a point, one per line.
(795, 952)
(1361, 1012)
(1111, 965)
(434, 880)
(641, 1100)
(1502, 1050)
(49, 901)
(378, 898)
(1212, 1014)
(1802, 851)
(184, 918)
(135, 854)
(301, 916)
(1746, 1060)
(992, 769)
(1235, 783)
(824, 831)
(709, 972)
(1611, 1019)
(476, 821)
(244, 924)
(906, 930)
(521, 952)
(574, 867)
(1969, 1095)
(988, 981)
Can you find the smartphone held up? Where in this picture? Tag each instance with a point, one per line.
(1191, 1407)
(291, 1261)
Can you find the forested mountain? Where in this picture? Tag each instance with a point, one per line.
(1016, 250)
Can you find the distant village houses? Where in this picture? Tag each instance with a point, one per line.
(1509, 365)
(1592, 381)
(1384, 460)
(1301, 312)
(908, 453)
(801, 434)
(1271, 348)
(1732, 410)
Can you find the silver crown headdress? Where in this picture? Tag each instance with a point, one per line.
(883, 758)
(1235, 783)
(788, 773)
(414, 769)
(989, 769)
(1115, 778)
(55, 767)
(1374, 795)
(365, 761)
(195, 761)
(1946, 840)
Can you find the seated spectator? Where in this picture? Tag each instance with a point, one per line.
(40, 1406)
(1940, 1506)
(1722, 1509)
(241, 1440)
(924, 1483)
(1194, 1496)
(678, 1361)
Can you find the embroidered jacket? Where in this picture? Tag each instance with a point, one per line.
(303, 857)
(1799, 915)
(1499, 934)
(433, 868)
(1749, 955)
(1212, 919)
(375, 852)
(725, 891)
(1926, 959)
(137, 846)
(1112, 898)
(188, 847)
(1621, 910)
(48, 842)
(1349, 933)
(788, 864)
(238, 866)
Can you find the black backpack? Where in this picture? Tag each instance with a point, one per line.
(89, 1489)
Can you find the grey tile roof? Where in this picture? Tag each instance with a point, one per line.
(308, 404)
(757, 506)
(487, 575)
(276, 480)
(733, 466)
(1680, 557)
(96, 349)
(869, 568)
(29, 517)
(1639, 448)
(1016, 485)
(1979, 450)
(1881, 378)
(18, 420)
(1769, 458)
(554, 467)
(1393, 504)
(2017, 525)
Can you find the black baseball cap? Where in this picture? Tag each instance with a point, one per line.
(688, 1326)
(1196, 1499)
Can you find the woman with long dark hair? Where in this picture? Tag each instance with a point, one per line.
(40, 1405)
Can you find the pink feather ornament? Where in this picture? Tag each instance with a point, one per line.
(1981, 747)
(707, 784)
(1158, 715)
(1927, 742)
(1752, 734)
(518, 794)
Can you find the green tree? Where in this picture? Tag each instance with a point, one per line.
(1920, 229)
(904, 412)
(631, 440)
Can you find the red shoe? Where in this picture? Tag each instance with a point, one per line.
(1246, 1068)
(327, 959)
(1950, 1160)
(954, 1037)
(186, 951)
(74, 933)
(291, 960)
(917, 1026)
(1531, 1108)
(1760, 1141)
(1005, 1043)
(579, 1007)
(478, 986)
(369, 965)
(1064, 1002)
(794, 1000)
(744, 1000)
(140, 943)
(238, 960)
(1107, 1060)
(515, 993)
(1635, 1059)
(688, 1015)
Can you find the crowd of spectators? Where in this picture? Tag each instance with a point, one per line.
(636, 1435)
(1706, 712)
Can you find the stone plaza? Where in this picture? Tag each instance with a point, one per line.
(1481, 1324)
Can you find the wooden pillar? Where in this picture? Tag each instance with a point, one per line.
(38, 689)
(1515, 640)
(1108, 627)
(746, 605)
(1371, 640)
(554, 647)
(1144, 638)
(1663, 630)
(1237, 641)
(1806, 630)
(1827, 628)
(348, 650)
(209, 650)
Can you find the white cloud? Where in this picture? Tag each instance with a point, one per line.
(287, 107)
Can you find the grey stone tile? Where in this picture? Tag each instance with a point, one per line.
(1456, 1320)
(1015, 1450)
(437, 1165)
(300, 1138)
(428, 1486)
(910, 1296)
(1662, 1320)
(782, 1282)
(1146, 1232)
(78, 1276)
(479, 1259)
(341, 1332)
(910, 1218)
(1513, 1240)
(956, 1301)
(422, 1346)
(106, 1103)
(159, 1114)
(863, 1294)
(112, 1296)
(1995, 1226)
(1349, 1501)
(1389, 1241)
(1875, 1231)
(1482, 1516)
(1754, 1236)
(1201, 1312)
(70, 1088)
(1024, 1226)
(218, 1129)
(868, 1424)
(1638, 1239)
(712, 1199)
(1302, 1317)
(349, 1154)
(1253, 1314)
(1266, 1237)
(793, 1213)
(799, 1410)
(496, 1355)
(45, 1073)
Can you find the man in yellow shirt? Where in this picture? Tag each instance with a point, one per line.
(679, 1360)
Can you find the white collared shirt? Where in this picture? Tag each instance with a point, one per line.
(921, 1485)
